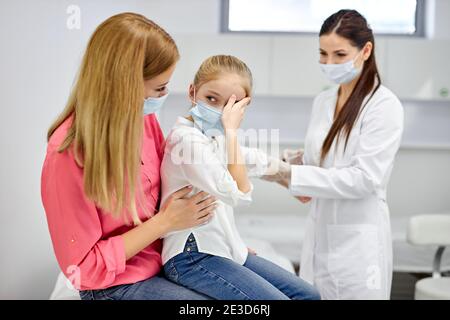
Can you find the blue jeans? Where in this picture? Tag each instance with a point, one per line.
(155, 288)
(224, 279)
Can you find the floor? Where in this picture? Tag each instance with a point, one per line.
(402, 284)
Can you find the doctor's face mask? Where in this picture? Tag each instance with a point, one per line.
(334, 59)
(342, 72)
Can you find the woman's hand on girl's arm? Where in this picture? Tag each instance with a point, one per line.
(178, 213)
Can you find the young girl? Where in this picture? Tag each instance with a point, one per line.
(202, 150)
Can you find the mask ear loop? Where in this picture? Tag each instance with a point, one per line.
(193, 101)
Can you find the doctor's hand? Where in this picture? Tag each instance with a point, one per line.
(277, 171)
(304, 199)
(182, 212)
(233, 113)
(294, 157)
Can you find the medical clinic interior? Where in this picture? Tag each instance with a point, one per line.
(337, 112)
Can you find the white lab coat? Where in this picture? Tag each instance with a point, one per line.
(347, 250)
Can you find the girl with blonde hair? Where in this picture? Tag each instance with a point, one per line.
(203, 150)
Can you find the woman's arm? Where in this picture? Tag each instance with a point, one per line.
(76, 230)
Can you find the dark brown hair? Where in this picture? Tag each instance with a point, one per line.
(351, 25)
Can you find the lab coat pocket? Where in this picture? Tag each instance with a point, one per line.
(353, 259)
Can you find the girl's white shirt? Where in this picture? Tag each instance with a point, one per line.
(192, 158)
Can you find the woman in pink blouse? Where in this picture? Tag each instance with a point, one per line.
(100, 179)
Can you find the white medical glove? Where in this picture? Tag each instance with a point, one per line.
(292, 156)
(277, 171)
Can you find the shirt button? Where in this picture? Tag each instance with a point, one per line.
(188, 249)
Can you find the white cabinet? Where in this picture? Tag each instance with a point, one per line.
(295, 67)
(415, 69)
(418, 69)
(254, 51)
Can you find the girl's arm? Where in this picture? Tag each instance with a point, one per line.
(233, 113)
(236, 165)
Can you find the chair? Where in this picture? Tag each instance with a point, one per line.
(432, 229)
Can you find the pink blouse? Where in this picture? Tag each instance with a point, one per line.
(87, 241)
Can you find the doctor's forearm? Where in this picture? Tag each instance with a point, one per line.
(346, 183)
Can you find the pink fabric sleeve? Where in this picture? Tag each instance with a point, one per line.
(88, 259)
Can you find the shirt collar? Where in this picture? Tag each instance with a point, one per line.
(182, 121)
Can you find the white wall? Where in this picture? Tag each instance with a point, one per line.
(441, 28)
(39, 58)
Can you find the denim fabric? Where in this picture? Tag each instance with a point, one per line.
(224, 279)
(155, 288)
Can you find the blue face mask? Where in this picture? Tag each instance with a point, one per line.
(207, 118)
(153, 105)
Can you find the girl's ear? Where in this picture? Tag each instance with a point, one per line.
(192, 93)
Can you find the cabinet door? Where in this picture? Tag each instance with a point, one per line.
(418, 68)
(295, 66)
(253, 50)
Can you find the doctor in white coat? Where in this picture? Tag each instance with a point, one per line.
(352, 139)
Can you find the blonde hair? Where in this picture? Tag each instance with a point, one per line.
(106, 103)
(215, 66)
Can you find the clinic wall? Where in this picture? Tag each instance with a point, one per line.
(39, 59)
(441, 27)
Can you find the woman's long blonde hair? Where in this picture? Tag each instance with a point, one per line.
(106, 103)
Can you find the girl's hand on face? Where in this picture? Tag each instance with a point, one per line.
(233, 113)
(181, 213)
